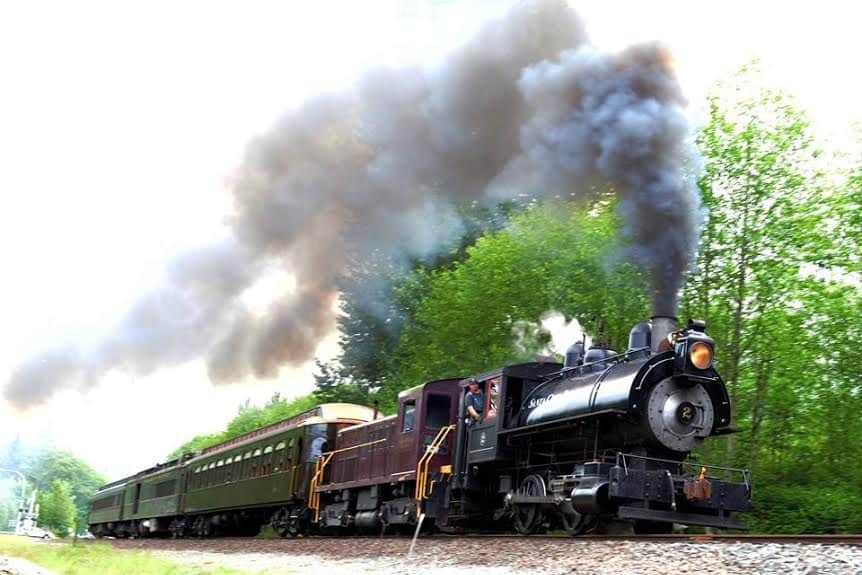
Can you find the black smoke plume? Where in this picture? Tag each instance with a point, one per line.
(527, 106)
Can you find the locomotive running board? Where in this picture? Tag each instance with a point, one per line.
(677, 517)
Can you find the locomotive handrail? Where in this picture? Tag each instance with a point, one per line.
(320, 466)
(621, 459)
(419, 493)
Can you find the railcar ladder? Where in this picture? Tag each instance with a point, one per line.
(421, 491)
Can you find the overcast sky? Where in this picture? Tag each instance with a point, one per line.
(120, 122)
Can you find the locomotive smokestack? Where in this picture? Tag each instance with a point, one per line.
(662, 325)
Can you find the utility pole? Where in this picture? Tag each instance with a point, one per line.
(23, 501)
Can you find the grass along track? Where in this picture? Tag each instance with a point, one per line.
(96, 557)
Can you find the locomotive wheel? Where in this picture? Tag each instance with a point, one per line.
(529, 516)
(576, 523)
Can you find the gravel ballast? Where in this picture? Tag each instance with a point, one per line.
(505, 556)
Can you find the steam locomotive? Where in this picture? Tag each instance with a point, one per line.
(604, 436)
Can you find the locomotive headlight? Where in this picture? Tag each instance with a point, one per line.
(700, 355)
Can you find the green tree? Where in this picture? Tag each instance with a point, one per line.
(375, 309)
(54, 464)
(335, 383)
(561, 256)
(775, 281)
(248, 418)
(57, 508)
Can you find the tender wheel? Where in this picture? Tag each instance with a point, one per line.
(279, 522)
(290, 523)
(177, 528)
(643, 527)
(530, 516)
(202, 527)
(298, 526)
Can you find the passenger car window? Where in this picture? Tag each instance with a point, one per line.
(409, 416)
(280, 445)
(268, 449)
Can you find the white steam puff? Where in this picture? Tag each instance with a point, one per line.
(525, 107)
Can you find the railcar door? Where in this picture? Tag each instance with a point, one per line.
(137, 500)
(407, 436)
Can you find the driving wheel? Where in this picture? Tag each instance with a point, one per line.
(529, 517)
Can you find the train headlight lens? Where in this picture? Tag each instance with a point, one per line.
(700, 355)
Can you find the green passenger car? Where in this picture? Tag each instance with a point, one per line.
(106, 507)
(263, 476)
(141, 504)
(233, 487)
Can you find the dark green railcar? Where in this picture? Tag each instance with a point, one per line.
(142, 504)
(233, 487)
(263, 476)
(152, 499)
(106, 508)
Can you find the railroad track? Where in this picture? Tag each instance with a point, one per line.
(707, 538)
(855, 540)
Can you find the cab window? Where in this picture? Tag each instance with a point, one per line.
(492, 398)
(408, 420)
(438, 410)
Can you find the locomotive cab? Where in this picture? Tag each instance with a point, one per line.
(502, 390)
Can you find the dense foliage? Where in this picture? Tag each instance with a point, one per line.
(778, 282)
